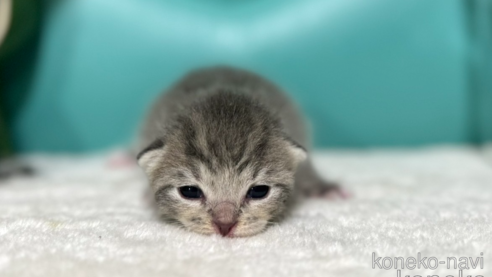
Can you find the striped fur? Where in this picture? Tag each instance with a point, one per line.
(223, 130)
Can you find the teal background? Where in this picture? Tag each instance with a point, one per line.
(366, 73)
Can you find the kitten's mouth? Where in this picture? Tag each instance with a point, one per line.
(240, 231)
(234, 231)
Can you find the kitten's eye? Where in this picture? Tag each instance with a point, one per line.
(191, 192)
(258, 192)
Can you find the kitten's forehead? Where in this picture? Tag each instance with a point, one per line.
(227, 130)
(214, 155)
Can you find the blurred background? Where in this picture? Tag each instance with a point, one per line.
(78, 75)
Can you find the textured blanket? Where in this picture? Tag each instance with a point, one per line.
(88, 216)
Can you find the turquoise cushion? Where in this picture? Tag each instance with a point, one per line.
(367, 73)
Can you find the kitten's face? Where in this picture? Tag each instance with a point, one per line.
(224, 166)
(207, 194)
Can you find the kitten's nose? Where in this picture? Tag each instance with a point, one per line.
(225, 228)
(225, 217)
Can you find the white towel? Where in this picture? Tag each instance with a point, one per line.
(82, 217)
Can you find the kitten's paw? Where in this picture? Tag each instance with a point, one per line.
(327, 190)
(120, 160)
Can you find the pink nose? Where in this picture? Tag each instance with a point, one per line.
(225, 216)
(224, 228)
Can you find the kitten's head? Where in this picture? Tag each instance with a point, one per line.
(224, 167)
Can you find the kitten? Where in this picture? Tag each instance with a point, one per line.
(225, 152)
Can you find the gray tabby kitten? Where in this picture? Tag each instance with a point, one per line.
(225, 152)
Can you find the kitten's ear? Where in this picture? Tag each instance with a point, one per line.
(148, 158)
(297, 151)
